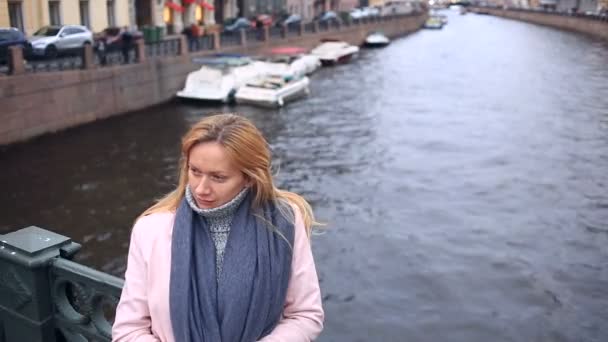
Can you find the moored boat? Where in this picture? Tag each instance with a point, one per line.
(219, 78)
(433, 23)
(272, 91)
(333, 52)
(376, 39)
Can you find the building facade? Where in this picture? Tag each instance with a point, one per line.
(30, 15)
(304, 8)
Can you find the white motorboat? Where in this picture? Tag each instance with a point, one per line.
(306, 63)
(272, 91)
(376, 39)
(300, 63)
(433, 23)
(219, 78)
(332, 52)
(291, 67)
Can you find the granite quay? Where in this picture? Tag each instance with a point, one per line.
(45, 102)
(593, 25)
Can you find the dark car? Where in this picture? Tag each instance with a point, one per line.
(11, 37)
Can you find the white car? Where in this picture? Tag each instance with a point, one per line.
(357, 13)
(50, 41)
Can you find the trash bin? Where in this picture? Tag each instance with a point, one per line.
(158, 33)
(148, 34)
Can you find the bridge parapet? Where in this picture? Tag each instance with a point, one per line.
(46, 297)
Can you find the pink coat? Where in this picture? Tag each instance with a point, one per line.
(142, 314)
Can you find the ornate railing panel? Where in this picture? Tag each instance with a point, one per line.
(85, 301)
(202, 43)
(276, 32)
(57, 64)
(163, 48)
(230, 38)
(309, 27)
(255, 35)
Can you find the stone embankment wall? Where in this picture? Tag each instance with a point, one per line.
(35, 104)
(577, 23)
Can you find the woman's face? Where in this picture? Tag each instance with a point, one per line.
(213, 178)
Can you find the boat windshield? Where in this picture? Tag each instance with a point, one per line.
(267, 83)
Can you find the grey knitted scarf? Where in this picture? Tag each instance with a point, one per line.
(246, 301)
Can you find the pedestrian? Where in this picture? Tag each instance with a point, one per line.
(126, 38)
(226, 255)
(259, 26)
(101, 45)
(196, 32)
(187, 31)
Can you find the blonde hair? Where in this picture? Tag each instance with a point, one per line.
(249, 151)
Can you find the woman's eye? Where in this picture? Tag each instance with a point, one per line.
(219, 178)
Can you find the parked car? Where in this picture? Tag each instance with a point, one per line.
(11, 37)
(240, 23)
(291, 20)
(50, 41)
(357, 13)
(328, 17)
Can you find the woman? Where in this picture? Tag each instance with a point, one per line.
(226, 255)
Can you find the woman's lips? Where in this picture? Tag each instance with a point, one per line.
(204, 201)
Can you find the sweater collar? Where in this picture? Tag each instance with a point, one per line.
(226, 209)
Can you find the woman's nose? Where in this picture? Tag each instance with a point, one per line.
(203, 186)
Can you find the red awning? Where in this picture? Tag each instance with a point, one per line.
(174, 6)
(207, 5)
(188, 2)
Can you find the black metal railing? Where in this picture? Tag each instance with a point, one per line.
(170, 46)
(230, 38)
(84, 299)
(255, 35)
(202, 43)
(276, 32)
(163, 48)
(57, 64)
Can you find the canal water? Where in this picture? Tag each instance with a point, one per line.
(462, 174)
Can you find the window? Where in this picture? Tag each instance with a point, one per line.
(84, 14)
(54, 16)
(15, 15)
(111, 17)
(71, 30)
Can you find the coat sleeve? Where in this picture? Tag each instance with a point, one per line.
(303, 314)
(132, 321)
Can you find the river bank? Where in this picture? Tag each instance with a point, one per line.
(36, 104)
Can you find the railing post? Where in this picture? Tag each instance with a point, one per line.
(243, 37)
(266, 33)
(284, 31)
(26, 303)
(15, 60)
(183, 46)
(88, 61)
(217, 42)
(140, 51)
(302, 29)
(315, 27)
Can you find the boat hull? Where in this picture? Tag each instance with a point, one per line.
(273, 98)
(339, 60)
(375, 44)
